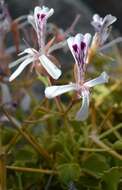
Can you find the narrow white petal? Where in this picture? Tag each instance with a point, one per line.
(96, 18)
(57, 46)
(30, 51)
(82, 114)
(109, 19)
(50, 13)
(70, 42)
(50, 67)
(78, 39)
(32, 21)
(103, 78)
(20, 68)
(37, 11)
(15, 63)
(53, 91)
(87, 38)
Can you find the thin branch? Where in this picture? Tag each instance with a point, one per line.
(98, 142)
(32, 170)
(28, 137)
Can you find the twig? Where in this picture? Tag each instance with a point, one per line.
(98, 142)
(28, 137)
(17, 135)
(105, 118)
(108, 132)
(33, 170)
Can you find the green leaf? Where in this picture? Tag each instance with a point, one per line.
(118, 145)
(26, 154)
(95, 164)
(68, 172)
(89, 182)
(7, 134)
(111, 178)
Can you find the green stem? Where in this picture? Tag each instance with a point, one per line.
(28, 137)
(98, 142)
(108, 132)
(92, 150)
(32, 170)
(19, 181)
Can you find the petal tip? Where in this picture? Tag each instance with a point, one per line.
(10, 79)
(47, 94)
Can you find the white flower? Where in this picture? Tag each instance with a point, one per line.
(82, 90)
(79, 48)
(102, 26)
(39, 21)
(33, 56)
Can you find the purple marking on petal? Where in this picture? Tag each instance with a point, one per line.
(75, 47)
(38, 15)
(42, 16)
(83, 45)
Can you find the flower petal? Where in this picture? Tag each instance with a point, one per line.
(96, 18)
(103, 78)
(70, 41)
(82, 114)
(15, 63)
(87, 39)
(53, 91)
(50, 67)
(108, 20)
(47, 11)
(78, 39)
(20, 68)
(31, 20)
(30, 51)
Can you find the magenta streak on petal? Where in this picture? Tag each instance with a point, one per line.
(83, 45)
(38, 16)
(41, 31)
(75, 47)
(79, 55)
(42, 16)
